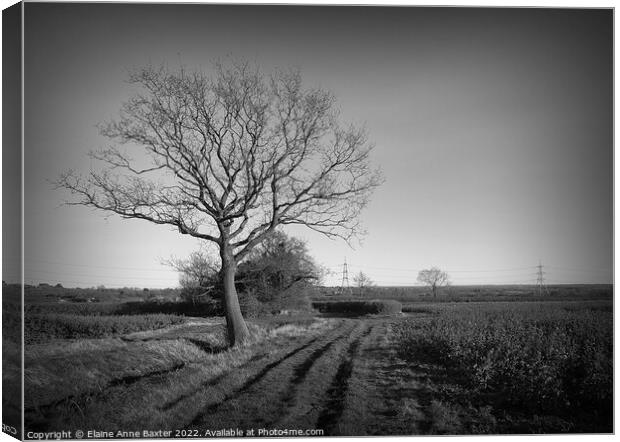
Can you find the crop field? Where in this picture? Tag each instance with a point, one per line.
(360, 367)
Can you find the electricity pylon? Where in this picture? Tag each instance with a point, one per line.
(540, 280)
(345, 287)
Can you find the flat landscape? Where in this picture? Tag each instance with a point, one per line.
(265, 220)
(441, 367)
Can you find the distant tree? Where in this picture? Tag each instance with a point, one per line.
(362, 281)
(433, 278)
(227, 158)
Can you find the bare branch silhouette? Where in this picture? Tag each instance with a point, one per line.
(228, 157)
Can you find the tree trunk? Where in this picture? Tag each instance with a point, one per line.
(238, 332)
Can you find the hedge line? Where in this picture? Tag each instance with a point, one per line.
(356, 308)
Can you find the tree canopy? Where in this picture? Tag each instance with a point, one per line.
(236, 149)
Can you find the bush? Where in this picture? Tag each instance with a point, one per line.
(296, 298)
(358, 308)
(278, 268)
(251, 307)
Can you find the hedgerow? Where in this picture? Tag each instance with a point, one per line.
(353, 308)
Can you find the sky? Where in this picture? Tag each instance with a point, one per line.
(493, 129)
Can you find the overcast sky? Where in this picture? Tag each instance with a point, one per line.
(493, 128)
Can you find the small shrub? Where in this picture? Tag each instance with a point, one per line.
(251, 307)
(296, 298)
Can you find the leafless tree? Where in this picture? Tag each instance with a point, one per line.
(434, 278)
(197, 273)
(362, 281)
(226, 158)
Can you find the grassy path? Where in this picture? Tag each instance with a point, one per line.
(288, 391)
(342, 377)
(383, 394)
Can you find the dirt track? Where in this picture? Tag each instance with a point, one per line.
(328, 380)
(319, 383)
(305, 388)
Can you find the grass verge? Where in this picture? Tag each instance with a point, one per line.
(45, 327)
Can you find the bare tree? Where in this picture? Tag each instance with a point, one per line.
(197, 273)
(433, 278)
(228, 157)
(362, 281)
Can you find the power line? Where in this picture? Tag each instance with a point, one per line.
(447, 270)
(151, 269)
(91, 275)
(578, 270)
(86, 285)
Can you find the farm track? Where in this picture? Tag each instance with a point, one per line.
(384, 395)
(333, 380)
(229, 378)
(290, 389)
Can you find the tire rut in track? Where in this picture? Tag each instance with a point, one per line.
(259, 401)
(333, 407)
(247, 384)
(305, 400)
(366, 386)
(210, 383)
(302, 369)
